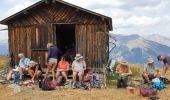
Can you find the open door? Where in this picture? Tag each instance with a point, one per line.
(65, 35)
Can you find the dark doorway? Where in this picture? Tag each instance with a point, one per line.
(65, 35)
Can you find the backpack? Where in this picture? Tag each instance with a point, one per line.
(165, 80)
(122, 82)
(46, 84)
(147, 91)
(158, 84)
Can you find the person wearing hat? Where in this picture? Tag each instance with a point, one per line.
(78, 67)
(150, 72)
(166, 61)
(34, 70)
(123, 71)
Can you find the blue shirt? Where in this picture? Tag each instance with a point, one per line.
(149, 68)
(26, 62)
(53, 52)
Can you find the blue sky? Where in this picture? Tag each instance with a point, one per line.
(143, 17)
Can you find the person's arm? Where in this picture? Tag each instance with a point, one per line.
(165, 68)
(36, 69)
(73, 65)
(117, 69)
(129, 72)
(67, 66)
(84, 67)
(145, 70)
(49, 54)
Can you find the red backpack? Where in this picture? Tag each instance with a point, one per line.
(147, 91)
(47, 85)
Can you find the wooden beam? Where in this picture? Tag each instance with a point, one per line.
(46, 1)
(54, 1)
(25, 12)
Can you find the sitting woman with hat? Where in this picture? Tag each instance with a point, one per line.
(150, 72)
(78, 67)
(123, 71)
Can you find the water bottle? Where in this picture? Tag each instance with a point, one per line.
(17, 89)
(16, 77)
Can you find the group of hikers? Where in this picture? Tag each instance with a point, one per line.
(78, 66)
(33, 68)
(150, 72)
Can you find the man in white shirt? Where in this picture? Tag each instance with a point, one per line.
(78, 67)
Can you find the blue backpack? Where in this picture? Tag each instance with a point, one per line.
(158, 85)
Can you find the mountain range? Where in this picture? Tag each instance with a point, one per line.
(136, 49)
(4, 47)
(133, 48)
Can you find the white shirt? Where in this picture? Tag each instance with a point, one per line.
(78, 66)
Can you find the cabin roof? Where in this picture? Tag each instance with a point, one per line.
(22, 12)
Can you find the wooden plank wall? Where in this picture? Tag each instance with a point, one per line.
(35, 29)
(91, 42)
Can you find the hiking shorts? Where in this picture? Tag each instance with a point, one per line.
(53, 62)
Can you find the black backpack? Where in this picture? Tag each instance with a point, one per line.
(46, 85)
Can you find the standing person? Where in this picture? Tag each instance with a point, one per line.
(34, 70)
(166, 61)
(23, 64)
(53, 53)
(63, 67)
(78, 67)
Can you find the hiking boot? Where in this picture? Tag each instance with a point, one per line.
(73, 85)
(67, 82)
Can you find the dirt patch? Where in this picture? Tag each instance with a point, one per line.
(75, 94)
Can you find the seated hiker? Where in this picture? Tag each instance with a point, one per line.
(88, 76)
(149, 71)
(123, 71)
(23, 64)
(34, 70)
(78, 67)
(63, 67)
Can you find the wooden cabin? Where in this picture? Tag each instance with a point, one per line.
(64, 24)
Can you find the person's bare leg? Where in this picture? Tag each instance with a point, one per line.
(74, 76)
(146, 77)
(80, 74)
(57, 75)
(9, 76)
(31, 73)
(165, 68)
(47, 70)
(53, 72)
(74, 79)
(20, 72)
(64, 75)
(38, 73)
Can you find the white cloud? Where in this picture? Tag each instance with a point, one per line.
(129, 16)
(20, 6)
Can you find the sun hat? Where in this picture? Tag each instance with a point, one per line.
(78, 56)
(123, 62)
(150, 60)
(32, 62)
